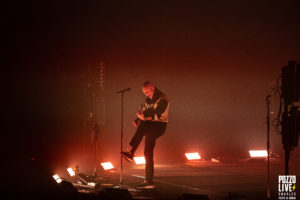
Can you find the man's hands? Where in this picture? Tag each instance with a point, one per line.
(135, 124)
(140, 116)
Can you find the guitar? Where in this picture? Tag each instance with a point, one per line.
(144, 107)
(137, 121)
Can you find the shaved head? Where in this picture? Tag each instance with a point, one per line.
(148, 89)
(148, 84)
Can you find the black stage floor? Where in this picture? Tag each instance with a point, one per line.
(246, 179)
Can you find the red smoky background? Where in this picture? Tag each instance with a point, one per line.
(216, 61)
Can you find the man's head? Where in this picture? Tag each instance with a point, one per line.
(148, 89)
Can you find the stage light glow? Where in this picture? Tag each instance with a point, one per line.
(92, 184)
(107, 165)
(258, 153)
(71, 172)
(193, 156)
(57, 178)
(215, 160)
(139, 160)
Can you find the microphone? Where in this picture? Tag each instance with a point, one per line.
(124, 90)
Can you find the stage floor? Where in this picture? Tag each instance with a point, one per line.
(247, 178)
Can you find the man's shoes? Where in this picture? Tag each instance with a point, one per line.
(146, 185)
(127, 156)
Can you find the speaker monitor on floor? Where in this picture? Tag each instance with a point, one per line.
(114, 193)
(187, 196)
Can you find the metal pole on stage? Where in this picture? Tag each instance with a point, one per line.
(95, 138)
(287, 134)
(122, 130)
(122, 133)
(268, 144)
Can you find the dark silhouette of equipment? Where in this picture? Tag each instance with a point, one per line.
(291, 82)
(291, 113)
(95, 141)
(114, 193)
(234, 196)
(187, 196)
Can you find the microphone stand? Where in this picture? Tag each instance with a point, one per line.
(122, 132)
(268, 144)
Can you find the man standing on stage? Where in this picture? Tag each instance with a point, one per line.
(151, 122)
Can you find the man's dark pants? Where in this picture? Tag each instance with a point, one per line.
(151, 130)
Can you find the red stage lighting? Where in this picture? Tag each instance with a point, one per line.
(71, 172)
(258, 153)
(107, 165)
(215, 160)
(139, 160)
(193, 156)
(57, 178)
